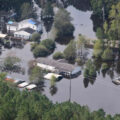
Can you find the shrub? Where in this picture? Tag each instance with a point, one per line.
(58, 55)
(35, 37)
(70, 52)
(40, 51)
(105, 66)
(107, 55)
(49, 44)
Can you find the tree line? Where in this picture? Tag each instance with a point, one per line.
(25, 105)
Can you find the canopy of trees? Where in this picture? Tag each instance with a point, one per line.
(24, 105)
(63, 25)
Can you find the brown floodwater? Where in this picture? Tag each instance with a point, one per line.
(101, 93)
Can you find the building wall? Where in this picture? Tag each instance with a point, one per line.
(22, 34)
(11, 28)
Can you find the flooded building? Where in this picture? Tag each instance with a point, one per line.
(65, 69)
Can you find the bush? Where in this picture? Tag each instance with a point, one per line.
(35, 37)
(70, 52)
(90, 70)
(107, 55)
(49, 44)
(40, 51)
(98, 48)
(58, 55)
(10, 62)
(105, 66)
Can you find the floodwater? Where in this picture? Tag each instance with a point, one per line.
(101, 94)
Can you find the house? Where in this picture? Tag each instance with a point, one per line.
(12, 27)
(31, 23)
(64, 69)
(24, 33)
(28, 23)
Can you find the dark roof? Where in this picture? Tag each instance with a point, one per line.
(58, 65)
(29, 30)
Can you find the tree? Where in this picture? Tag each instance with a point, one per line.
(35, 37)
(81, 41)
(114, 16)
(40, 51)
(49, 44)
(100, 33)
(36, 75)
(107, 54)
(26, 10)
(52, 80)
(47, 11)
(63, 25)
(58, 55)
(90, 70)
(98, 48)
(10, 62)
(70, 51)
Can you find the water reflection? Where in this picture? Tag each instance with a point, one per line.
(53, 90)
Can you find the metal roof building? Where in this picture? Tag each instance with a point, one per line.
(59, 67)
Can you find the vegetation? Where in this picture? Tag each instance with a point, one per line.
(40, 51)
(26, 11)
(70, 52)
(105, 66)
(58, 55)
(107, 54)
(81, 41)
(52, 81)
(36, 75)
(24, 105)
(35, 37)
(44, 48)
(47, 12)
(98, 48)
(10, 62)
(49, 44)
(100, 33)
(90, 70)
(63, 25)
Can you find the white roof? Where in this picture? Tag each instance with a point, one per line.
(46, 67)
(31, 86)
(23, 84)
(49, 76)
(3, 35)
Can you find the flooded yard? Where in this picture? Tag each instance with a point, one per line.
(102, 93)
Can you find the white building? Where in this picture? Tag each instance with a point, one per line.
(31, 23)
(12, 27)
(25, 33)
(24, 29)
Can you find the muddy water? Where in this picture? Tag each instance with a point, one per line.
(102, 94)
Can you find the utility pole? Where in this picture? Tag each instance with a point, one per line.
(70, 88)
